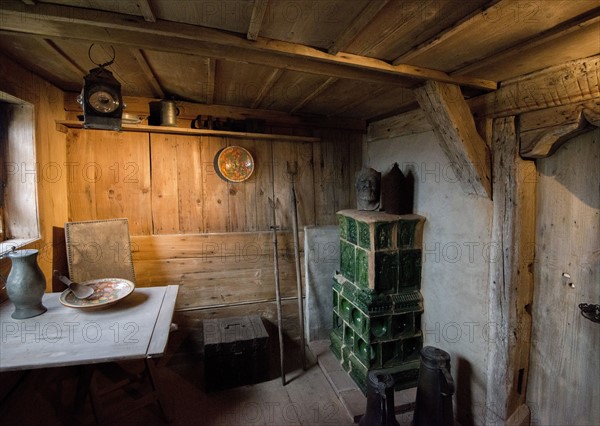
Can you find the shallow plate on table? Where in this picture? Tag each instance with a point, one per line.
(234, 164)
(107, 291)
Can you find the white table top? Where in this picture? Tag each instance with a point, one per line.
(135, 327)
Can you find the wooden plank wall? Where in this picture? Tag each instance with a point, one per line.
(564, 347)
(50, 148)
(189, 227)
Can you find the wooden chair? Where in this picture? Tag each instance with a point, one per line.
(101, 249)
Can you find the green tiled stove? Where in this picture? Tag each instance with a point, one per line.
(377, 304)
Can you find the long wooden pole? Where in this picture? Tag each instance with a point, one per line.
(277, 292)
(298, 276)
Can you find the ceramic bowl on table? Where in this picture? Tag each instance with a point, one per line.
(107, 291)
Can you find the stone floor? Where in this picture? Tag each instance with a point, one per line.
(321, 395)
(46, 396)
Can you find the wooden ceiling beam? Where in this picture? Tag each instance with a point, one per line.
(146, 10)
(147, 71)
(258, 13)
(358, 101)
(407, 123)
(569, 83)
(29, 2)
(472, 19)
(65, 58)
(108, 27)
(271, 80)
(211, 71)
(564, 87)
(357, 25)
(452, 122)
(590, 18)
(322, 87)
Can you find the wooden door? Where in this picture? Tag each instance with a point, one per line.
(564, 375)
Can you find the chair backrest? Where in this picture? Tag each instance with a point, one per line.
(99, 249)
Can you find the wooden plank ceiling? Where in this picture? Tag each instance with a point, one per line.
(335, 58)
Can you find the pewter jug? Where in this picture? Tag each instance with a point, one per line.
(435, 388)
(168, 113)
(25, 284)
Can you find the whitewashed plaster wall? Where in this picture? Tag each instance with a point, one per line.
(456, 255)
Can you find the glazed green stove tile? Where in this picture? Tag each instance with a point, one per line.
(362, 268)
(403, 325)
(406, 233)
(347, 260)
(379, 328)
(411, 348)
(410, 269)
(386, 271)
(383, 235)
(364, 235)
(343, 224)
(358, 321)
(366, 353)
(351, 230)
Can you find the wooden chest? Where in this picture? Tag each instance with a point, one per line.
(235, 352)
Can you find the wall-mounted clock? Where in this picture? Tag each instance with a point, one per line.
(101, 100)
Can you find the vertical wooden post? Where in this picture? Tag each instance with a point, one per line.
(511, 278)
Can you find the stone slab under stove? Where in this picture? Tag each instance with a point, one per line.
(348, 392)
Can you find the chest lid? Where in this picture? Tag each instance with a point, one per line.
(233, 329)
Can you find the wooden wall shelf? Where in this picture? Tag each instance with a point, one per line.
(64, 125)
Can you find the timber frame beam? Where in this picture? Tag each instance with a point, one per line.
(542, 132)
(452, 122)
(113, 28)
(540, 99)
(511, 275)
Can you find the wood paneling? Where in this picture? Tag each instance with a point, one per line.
(109, 177)
(564, 354)
(215, 210)
(192, 228)
(176, 184)
(336, 160)
(191, 319)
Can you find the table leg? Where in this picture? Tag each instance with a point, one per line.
(85, 388)
(157, 388)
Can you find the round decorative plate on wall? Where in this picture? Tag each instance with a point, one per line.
(234, 164)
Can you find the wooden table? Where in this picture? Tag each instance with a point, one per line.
(136, 327)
